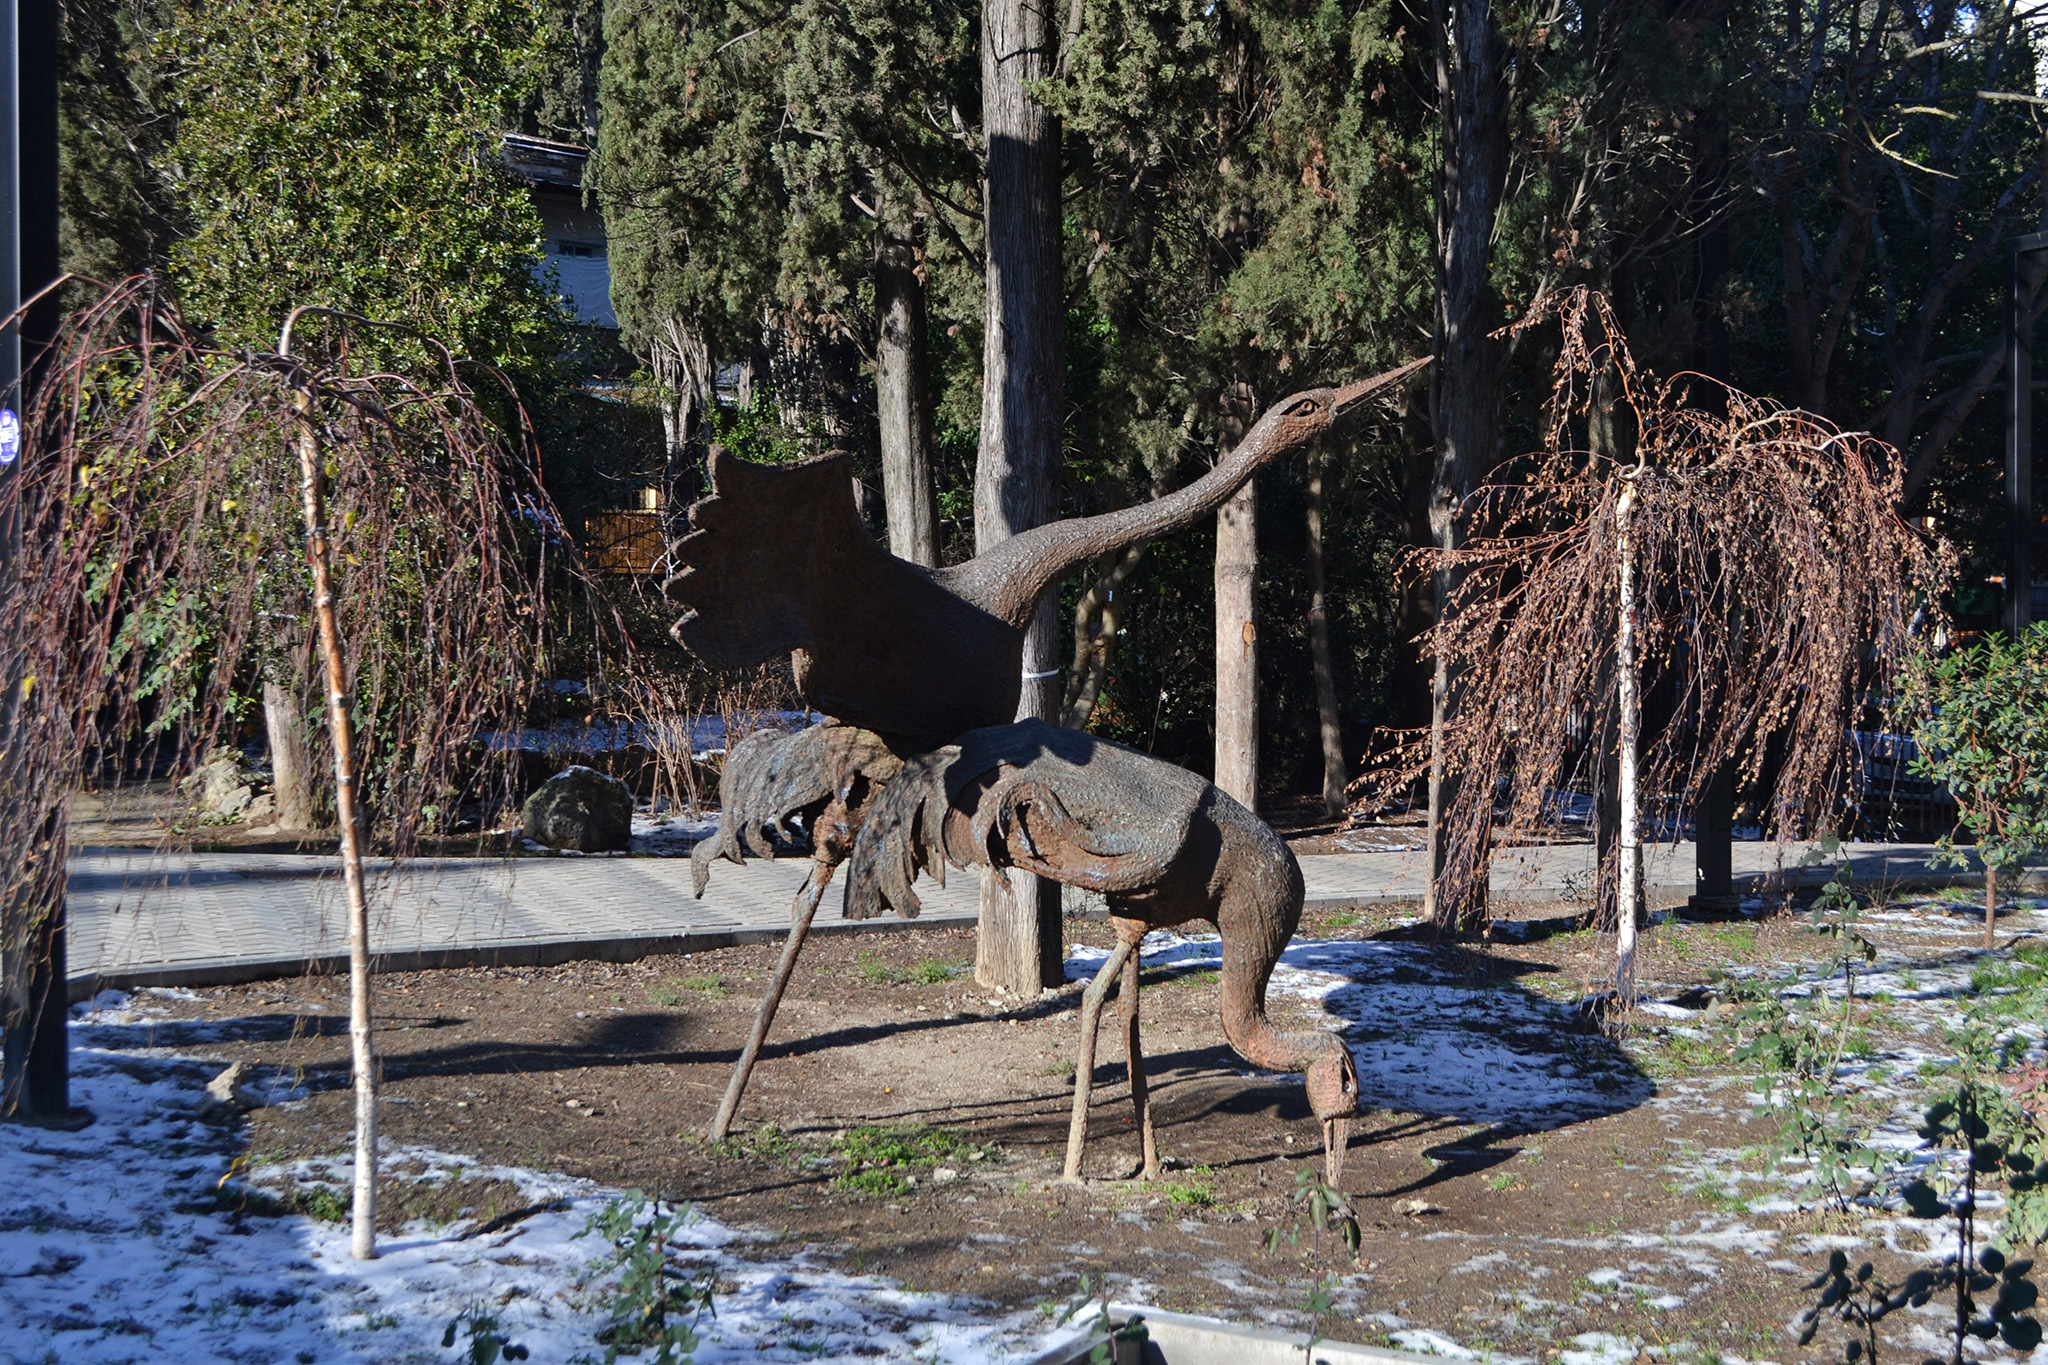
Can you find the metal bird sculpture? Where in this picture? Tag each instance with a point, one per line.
(919, 768)
(776, 560)
(1163, 846)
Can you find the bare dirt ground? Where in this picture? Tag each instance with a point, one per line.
(1528, 1188)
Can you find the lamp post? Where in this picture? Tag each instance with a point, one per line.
(35, 1077)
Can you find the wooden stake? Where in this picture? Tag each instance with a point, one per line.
(1990, 906)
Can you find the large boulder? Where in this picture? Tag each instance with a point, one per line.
(225, 787)
(580, 808)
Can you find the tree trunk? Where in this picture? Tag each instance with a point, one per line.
(363, 1066)
(1096, 617)
(1335, 770)
(1023, 402)
(681, 362)
(902, 406)
(291, 753)
(1472, 99)
(1629, 878)
(1237, 646)
(1990, 905)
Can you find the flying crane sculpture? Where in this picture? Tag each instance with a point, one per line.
(919, 764)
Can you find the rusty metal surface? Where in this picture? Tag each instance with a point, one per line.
(776, 560)
(1164, 845)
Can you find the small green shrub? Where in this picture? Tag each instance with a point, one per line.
(875, 971)
(881, 1157)
(655, 1304)
(326, 1203)
(1981, 730)
(1195, 1190)
(880, 1182)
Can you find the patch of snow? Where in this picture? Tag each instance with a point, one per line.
(1431, 1343)
(1600, 1348)
(1424, 1040)
(115, 1248)
(671, 834)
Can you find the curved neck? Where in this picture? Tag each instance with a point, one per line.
(1255, 1039)
(1006, 580)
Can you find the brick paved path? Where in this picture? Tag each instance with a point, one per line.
(142, 918)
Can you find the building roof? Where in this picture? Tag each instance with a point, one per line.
(539, 161)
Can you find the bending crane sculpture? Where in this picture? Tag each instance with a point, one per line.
(919, 766)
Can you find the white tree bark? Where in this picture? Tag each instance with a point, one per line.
(1629, 850)
(363, 1058)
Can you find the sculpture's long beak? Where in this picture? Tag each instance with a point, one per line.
(1336, 1139)
(1354, 395)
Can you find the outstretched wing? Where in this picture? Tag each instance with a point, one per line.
(777, 560)
(904, 834)
(773, 775)
(1065, 805)
(748, 559)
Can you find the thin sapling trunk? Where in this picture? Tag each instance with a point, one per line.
(1629, 851)
(1990, 905)
(362, 1057)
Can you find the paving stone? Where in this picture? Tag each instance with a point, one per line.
(140, 917)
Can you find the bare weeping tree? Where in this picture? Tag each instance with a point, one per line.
(1746, 557)
(169, 489)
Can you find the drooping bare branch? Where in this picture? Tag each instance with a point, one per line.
(1779, 589)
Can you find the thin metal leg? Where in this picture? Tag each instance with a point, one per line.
(1084, 1064)
(1135, 1053)
(801, 914)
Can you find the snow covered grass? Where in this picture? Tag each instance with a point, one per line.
(1426, 1041)
(139, 1239)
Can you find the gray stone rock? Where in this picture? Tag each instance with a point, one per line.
(582, 809)
(229, 1096)
(225, 785)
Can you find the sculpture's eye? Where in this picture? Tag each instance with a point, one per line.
(1307, 407)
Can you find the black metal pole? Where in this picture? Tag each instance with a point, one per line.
(35, 1072)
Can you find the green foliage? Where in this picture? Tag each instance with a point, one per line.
(487, 1343)
(881, 1158)
(1794, 1036)
(1978, 1119)
(925, 972)
(670, 994)
(1106, 1335)
(1976, 1110)
(346, 154)
(1982, 732)
(115, 202)
(327, 1204)
(1194, 1190)
(1318, 1207)
(654, 1304)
